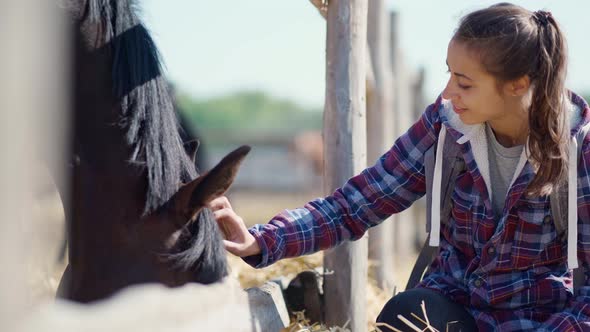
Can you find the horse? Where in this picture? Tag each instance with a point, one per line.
(193, 145)
(136, 209)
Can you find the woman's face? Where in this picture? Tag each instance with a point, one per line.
(472, 91)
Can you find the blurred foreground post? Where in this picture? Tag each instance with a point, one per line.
(31, 101)
(345, 146)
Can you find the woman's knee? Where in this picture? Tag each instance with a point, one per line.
(439, 309)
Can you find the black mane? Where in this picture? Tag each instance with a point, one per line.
(148, 115)
(147, 110)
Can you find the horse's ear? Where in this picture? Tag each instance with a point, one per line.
(191, 149)
(194, 195)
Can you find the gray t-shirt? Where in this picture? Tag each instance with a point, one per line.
(503, 162)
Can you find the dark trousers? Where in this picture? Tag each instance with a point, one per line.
(440, 311)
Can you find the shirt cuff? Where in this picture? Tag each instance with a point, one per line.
(262, 259)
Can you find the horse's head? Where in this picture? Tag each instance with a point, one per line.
(130, 220)
(176, 235)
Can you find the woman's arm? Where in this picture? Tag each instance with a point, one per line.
(390, 186)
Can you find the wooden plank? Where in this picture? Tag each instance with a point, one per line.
(268, 310)
(345, 146)
(222, 306)
(380, 131)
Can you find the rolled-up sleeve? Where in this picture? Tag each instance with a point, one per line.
(390, 186)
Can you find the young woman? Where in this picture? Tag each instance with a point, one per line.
(501, 265)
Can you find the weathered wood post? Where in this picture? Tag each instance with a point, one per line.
(419, 103)
(31, 98)
(380, 130)
(345, 146)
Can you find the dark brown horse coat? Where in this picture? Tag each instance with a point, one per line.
(136, 206)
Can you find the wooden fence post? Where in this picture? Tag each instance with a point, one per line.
(419, 103)
(32, 84)
(345, 147)
(380, 131)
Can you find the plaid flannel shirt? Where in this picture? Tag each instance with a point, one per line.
(510, 273)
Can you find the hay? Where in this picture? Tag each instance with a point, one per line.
(288, 269)
(300, 323)
(423, 320)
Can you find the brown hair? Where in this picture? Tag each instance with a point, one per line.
(513, 42)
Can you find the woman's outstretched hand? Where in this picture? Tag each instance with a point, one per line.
(237, 239)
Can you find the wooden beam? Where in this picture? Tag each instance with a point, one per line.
(380, 131)
(345, 146)
(322, 7)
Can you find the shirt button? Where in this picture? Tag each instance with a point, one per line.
(491, 250)
(547, 220)
(477, 283)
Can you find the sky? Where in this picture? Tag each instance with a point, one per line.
(212, 48)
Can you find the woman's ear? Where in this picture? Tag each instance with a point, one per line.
(518, 87)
